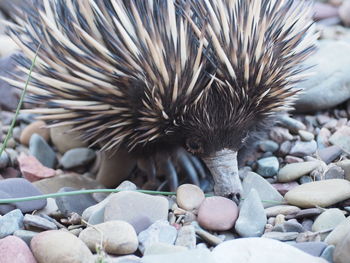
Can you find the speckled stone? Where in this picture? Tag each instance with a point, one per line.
(268, 167)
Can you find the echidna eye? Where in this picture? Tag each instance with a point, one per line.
(194, 146)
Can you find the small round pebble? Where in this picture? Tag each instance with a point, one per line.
(268, 167)
(301, 149)
(189, 196)
(119, 237)
(34, 127)
(77, 157)
(328, 220)
(217, 213)
(268, 146)
(306, 136)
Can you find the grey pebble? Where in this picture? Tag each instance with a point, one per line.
(268, 146)
(77, 157)
(38, 222)
(25, 235)
(4, 160)
(312, 248)
(334, 172)
(268, 167)
(329, 154)
(305, 179)
(285, 148)
(301, 149)
(327, 253)
(290, 123)
(281, 236)
(186, 237)
(41, 150)
(11, 222)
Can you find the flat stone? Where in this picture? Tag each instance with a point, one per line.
(293, 225)
(283, 188)
(328, 253)
(281, 236)
(65, 140)
(158, 232)
(186, 237)
(293, 171)
(188, 256)
(306, 136)
(268, 194)
(313, 194)
(310, 212)
(77, 157)
(38, 222)
(14, 249)
(312, 248)
(252, 217)
(10, 222)
(73, 203)
(189, 197)
(140, 210)
(42, 151)
(329, 154)
(281, 210)
(32, 169)
(328, 220)
(262, 250)
(217, 213)
(56, 246)
(25, 235)
(37, 127)
(342, 250)
(290, 123)
(302, 149)
(341, 138)
(339, 232)
(268, 146)
(268, 167)
(16, 188)
(119, 237)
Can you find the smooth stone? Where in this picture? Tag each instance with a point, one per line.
(293, 226)
(65, 140)
(310, 212)
(186, 237)
(262, 250)
(281, 236)
(268, 167)
(32, 169)
(57, 246)
(341, 138)
(312, 248)
(344, 11)
(307, 224)
(313, 194)
(50, 208)
(37, 127)
(138, 209)
(329, 219)
(188, 256)
(77, 157)
(25, 235)
(163, 248)
(285, 148)
(293, 159)
(291, 124)
(38, 222)
(119, 237)
(339, 232)
(329, 154)
(268, 146)
(306, 136)
(328, 253)
(73, 203)
(252, 217)
(189, 197)
(281, 210)
(268, 194)
(10, 222)
(14, 249)
(42, 151)
(342, 250)
(280, 134)
(345, 165)
(330, 86)
(293, 171)
(217, 213)
(305, 179)
(19, 187)
(4, 160)
(158, 232)
(323, 138)
(334, 172)
(283, 188)
(301, 149)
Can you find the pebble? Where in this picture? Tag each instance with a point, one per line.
(280, 134)
(73, 203)
(281, 236)
(293, 171)
(293, 159)
(38, 222)
(345, 165)
(265, 190)
(186, 237)
(328, 253)
(65, 140)
(252, 217)
(4, 160)
(283, 188)
(323, 138)
(344, 11)
(334, 172)
(206, 236)
(32, 169)
(339, 232)
(341, 138)
(312, 248)
(14, 249)
(305, 179)
(268, 146)
(310, 212)
(328, 220)
(10, 222)
(19, 187)
(301, 149)
(25, 235)
(56, 246)
(342, 250)
(306, 136)
(262, 250)
(162, 248)
(312, 194)
(293, 226)
(268, 167)
(158, 232)
(42, 151)
(329, 154)
(281, 209)
(35, 127)
(217, 213)
(188, 256)
(189, 197)
(77, 157)
(140, 210)
(291, 124)
(118, 237)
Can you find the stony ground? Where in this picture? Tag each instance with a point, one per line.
(295, 206)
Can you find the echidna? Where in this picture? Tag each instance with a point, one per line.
(157, 75)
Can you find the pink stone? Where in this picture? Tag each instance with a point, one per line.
(15, 250)
(283, 188)
(217, 213)
(32, 169)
